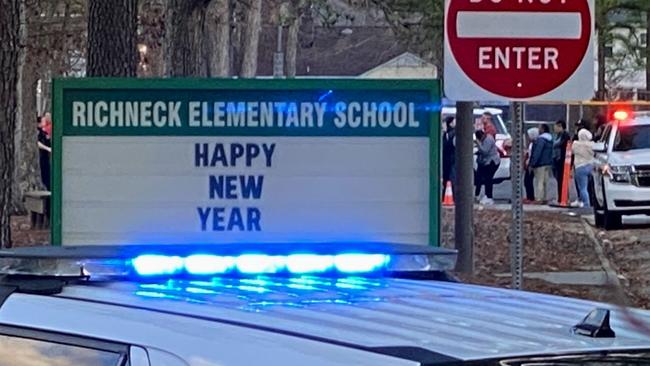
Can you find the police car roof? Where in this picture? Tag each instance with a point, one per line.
(406, 318)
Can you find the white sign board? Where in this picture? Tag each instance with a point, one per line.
(223, 162)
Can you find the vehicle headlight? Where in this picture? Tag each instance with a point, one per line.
(619, 173)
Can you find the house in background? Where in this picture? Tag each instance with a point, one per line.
(404, 66)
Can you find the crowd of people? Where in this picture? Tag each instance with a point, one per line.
(545, 159)
(547, 154)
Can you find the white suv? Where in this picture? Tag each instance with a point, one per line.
(621, 184)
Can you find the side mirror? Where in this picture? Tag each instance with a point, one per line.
(599, 147)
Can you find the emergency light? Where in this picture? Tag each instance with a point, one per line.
(236, 260)
(621, 115)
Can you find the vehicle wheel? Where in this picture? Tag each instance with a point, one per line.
(599, 214)
(611, 220)
(599, 217)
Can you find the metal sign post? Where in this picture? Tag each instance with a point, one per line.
(516, 174)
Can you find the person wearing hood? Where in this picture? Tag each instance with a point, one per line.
(529, 176)
(449, 153)
(583, 154)
(541, 161)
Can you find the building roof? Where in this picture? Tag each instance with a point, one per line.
(404, 60)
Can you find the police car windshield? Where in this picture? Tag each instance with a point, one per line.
(632, 138)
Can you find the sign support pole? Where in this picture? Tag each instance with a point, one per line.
(464, 187)
(516, 174)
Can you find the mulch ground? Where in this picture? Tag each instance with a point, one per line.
(553, 242)
(629, 253)
(23, 235)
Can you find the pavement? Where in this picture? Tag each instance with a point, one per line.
(575, 278)
(503, 191)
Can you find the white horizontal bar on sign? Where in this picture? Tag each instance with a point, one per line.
(536, 25)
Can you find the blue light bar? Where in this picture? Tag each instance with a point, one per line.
(205, 264)
(259, 263)
(360, 263)
(239, 260)
(157, 265)
(309, 263)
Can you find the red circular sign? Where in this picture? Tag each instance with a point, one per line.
(490, 41)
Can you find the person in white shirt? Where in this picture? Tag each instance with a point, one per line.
(583, 155)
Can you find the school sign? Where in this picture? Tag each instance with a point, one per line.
(212, 161)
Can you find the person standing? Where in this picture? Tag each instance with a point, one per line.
(600, 122)
(560, 143)
(584, 155)
(541, 161)
(488, 162)
(45, 148)
(488, 124)
(449, 153)
(529, 176)
(581, 124)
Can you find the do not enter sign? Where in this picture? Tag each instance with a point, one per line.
(519, 49)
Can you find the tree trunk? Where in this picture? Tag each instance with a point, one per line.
(238, 13)
(184, 38)
(291, 54)
(9, 52)
(26, 168)
(151, 22)
(251, 39)
(112, 27)
(218, 34)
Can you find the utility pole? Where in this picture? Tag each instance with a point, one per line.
(464, 187)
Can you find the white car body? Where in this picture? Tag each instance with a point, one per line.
(502, 138)
(315, 322)
(629, 193)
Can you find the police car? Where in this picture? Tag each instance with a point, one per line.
(371, 304)
(621, 182)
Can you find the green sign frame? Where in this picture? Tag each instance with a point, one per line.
(62, 87)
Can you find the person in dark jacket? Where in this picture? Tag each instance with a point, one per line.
(560, 143)
(44, 148)
(449, 153)
(541, 161)
(600, 122)
(581, 124)
(487, 161)
(529, 176)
